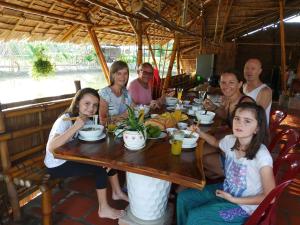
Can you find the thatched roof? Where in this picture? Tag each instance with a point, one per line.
(115, 20)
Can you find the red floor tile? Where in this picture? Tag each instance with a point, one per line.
(94, 219)
(57, 196)
(82, 184)
(77, 206)
(69, 222)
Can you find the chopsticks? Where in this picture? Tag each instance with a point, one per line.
(75, 118)
(193, 131)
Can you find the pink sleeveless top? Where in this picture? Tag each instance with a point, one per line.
(139, 94)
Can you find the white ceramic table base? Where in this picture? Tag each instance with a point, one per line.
(129, 219)
(148, 196)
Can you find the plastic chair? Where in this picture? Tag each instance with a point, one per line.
(277, 116)
(286, 167)
(291, 138)
(265, 212)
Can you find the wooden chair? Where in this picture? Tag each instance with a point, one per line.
(277, 116)
(23, 137)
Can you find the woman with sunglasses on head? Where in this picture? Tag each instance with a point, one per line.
(140, 89)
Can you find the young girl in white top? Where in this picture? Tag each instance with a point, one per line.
(248, 174)
(84, 105)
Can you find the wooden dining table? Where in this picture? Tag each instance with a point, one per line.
(154, 160)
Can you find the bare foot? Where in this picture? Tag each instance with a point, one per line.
(110, 213)
(120, 196)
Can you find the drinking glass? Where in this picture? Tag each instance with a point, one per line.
(176, 142)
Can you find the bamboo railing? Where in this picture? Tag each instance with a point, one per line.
(23, 136)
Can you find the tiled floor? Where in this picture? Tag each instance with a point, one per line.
(76, 204)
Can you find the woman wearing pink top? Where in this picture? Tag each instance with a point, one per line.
(140, 89)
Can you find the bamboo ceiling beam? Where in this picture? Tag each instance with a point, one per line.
(140, 8)
(130, 21)
(171, 63)
(42, 13)
(112, 9)
(217, 21)
(151, 51)
(99, 53)
(74, 28)
(139, 38)
(73, 6)
(282, 47)
(226, 20)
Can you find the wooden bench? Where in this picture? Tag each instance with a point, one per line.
(23, 137)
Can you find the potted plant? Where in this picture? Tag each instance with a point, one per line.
(134, 131)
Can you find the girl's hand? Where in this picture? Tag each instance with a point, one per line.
(80, 121)
(225, 195)
(194, 128)
(209, 105)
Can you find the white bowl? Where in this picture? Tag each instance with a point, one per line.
(171, 100)
(188, 141)
(171, 130)
(154, 115)
(91, 131)
(182, 126)
(205, 117)
(186, 102)
(138, 108)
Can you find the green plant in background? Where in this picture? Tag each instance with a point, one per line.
(41, 66)
(91, 57)
(127, 58)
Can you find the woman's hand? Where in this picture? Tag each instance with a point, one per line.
(225, 195)
(209, 105)
(154, 104)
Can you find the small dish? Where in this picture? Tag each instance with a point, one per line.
(134, 148)
(162, 135)
(103, 135)
(190, 146)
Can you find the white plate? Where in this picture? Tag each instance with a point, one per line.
(202, 123)
(162, 135)
(190, 146)
(187, 146)
(170, 108)
(103, 135)
(134, 148)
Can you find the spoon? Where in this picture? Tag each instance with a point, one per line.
(204, 97)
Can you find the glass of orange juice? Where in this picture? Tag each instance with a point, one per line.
(179, 93)
(176, 143)
(111, 126)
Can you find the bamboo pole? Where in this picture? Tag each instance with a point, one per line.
(226, 20)
(99, 53)
(282, 45)
(178, 61)
(172, 59)
(139, 43)
(151, 51)
(6, 164)
(217, 21)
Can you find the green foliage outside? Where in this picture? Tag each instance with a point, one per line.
(127, 58)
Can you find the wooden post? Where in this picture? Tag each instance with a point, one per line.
(282, 46)
(99, 53)
(172, 59)
(151, 51)
(77, 85)
(6, 164)
(139, 59)
(178, 60)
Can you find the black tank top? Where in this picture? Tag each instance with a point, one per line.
(229, 116)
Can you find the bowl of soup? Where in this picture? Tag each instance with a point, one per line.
(190, 138)
(91, 131)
